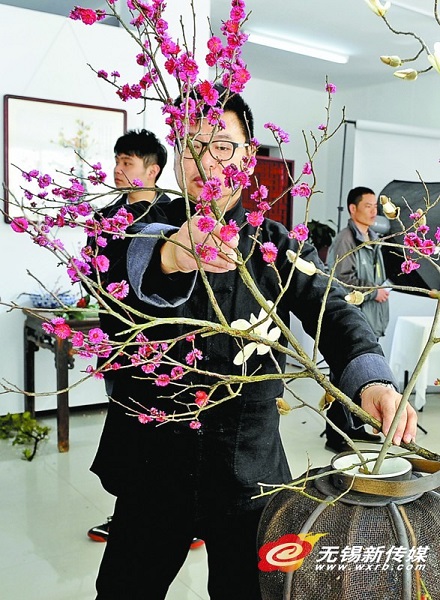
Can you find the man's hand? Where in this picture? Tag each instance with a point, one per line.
(382, 403)
(176, 253)
(382, 295)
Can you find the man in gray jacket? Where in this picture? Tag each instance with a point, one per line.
(362, 266)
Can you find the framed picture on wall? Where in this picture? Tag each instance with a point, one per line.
(61, 139)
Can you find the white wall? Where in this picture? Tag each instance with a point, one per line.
(295, 110)
(50, 61)
(400, 132)
(412, 103)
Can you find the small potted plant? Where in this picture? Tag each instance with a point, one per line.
(321, 236)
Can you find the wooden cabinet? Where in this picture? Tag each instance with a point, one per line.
(272, 173)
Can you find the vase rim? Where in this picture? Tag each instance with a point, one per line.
(392, 467)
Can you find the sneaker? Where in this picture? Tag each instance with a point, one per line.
(100, 532)
(196, 543)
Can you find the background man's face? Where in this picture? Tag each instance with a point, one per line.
(127, 168)
(366, 211)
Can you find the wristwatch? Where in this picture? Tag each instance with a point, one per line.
(381, 383)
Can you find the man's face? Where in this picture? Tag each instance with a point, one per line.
(191, 178)
(366, 211)
(127, 168)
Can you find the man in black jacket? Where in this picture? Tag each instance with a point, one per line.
(140, 158)
(205, 472)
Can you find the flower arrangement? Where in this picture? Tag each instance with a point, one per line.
(175, 362)
(150, 29)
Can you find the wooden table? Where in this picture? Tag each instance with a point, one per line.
(35, 338)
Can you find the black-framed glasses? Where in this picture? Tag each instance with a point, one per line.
(220, 150)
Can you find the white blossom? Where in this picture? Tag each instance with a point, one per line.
(390, 210)
(305, 266)
(262, 330)
(355, 297)
(392, 61)
(434, 59)
(408, 74)
(378, 8)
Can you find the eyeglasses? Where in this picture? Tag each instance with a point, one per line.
(220, 150)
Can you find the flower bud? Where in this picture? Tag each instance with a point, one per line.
(378, 8)
(422, 221)
(305, 266)
(355, 297)
(392, 61)
(390, 210)
(325, 401)
(409, 74)
(283, 407)
(434, 59)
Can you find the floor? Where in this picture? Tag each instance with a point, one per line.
(48, 505)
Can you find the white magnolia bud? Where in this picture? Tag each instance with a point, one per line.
(392, 61)
(390, 210)
(378, 8)
(283, 407)
(355, 297)
(408, 74)
(305, 266)
(434, 59)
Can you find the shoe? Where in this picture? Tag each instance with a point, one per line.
(100, 532)
(196, 543)
(337, 447)
(360, 435)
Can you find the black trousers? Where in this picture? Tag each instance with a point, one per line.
(149, 541)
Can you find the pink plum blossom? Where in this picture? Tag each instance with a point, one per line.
(201, 398)
(19, 224)
(229, 231)
(118, 290)
(303, 190)
(300, 232)
(409, 265)
(260, 194)
(143, 418)
(96, 335)
(162, 380)
(206, 253)
(255, 218)
(177, 372)
(269, 252)
(279, 134)
(101, 263)
(193, 356)
(206, 224)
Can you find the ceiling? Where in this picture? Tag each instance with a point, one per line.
(347, 26)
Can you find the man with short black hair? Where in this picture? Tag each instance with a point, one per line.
(206, 475)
